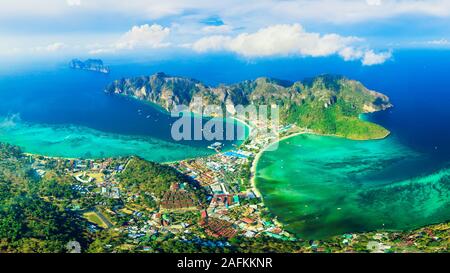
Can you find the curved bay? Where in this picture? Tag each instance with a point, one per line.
(326, 186)
(81, 142)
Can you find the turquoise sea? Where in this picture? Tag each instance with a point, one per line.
(321, 186)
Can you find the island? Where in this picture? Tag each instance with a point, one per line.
(95, 65)
(326, 104)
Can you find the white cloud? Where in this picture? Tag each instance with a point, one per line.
(248, 16)
(282, 40)
(139, 37)
(372, 58)
(351, 11)
(277, 40)
(152, 36)
(212, 43)
(373, 2)
(268, 11)
(351, 53)
(74, 2)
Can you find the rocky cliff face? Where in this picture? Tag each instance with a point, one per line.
(319, 92)
(160, 88)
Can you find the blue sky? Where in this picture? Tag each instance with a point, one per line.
(365, 31)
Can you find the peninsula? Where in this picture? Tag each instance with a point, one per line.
(326, 104)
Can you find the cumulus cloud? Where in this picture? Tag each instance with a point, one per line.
(372, 58)
(212, 43)
(368, 57)
(351, 54)
(152, 36)
(138, 37)
(282, 40)
(276, 40)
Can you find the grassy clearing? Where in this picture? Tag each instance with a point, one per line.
(94, 218)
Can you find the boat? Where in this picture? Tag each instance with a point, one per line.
(215, 146)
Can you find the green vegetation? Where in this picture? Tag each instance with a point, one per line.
(339, 119)
(141, 175)
(147, 176)
(28, 222)
(154, 180)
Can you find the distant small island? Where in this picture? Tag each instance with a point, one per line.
(90, 65)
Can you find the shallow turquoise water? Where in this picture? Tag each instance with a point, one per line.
(321, 186)
(81, 142)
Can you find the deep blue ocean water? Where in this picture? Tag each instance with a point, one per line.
(61, 106)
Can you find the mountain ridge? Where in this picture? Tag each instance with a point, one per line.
(328, 104)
